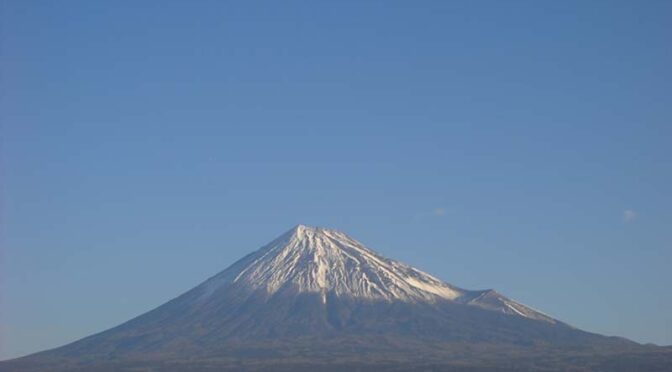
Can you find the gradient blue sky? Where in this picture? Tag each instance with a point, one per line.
(524, 146)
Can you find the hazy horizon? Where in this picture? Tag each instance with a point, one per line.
(524, 147)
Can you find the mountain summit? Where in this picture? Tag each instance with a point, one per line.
(317, 296)
(324, 261)
(314, 259)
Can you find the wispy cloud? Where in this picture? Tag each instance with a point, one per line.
(629, 215)
(439, 212)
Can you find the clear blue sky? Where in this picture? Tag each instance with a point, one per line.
(524, 146)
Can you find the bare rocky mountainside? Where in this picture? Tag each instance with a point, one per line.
(315, 298)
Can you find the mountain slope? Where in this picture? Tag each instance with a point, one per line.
(317, 294)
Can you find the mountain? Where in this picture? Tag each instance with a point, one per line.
(316, 298)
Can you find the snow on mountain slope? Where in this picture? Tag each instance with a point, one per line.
(491, 300)
(320, 260)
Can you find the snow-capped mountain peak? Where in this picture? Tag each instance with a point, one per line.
(316, 259)
(321, 260)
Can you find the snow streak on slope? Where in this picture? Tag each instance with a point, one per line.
(491, 300)
(319, 260)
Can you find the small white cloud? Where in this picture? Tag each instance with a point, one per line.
(439, 212)
(629, 215)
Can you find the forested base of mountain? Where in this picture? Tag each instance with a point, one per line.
(472, 358)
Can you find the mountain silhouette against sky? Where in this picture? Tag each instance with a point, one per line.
(315, 296)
